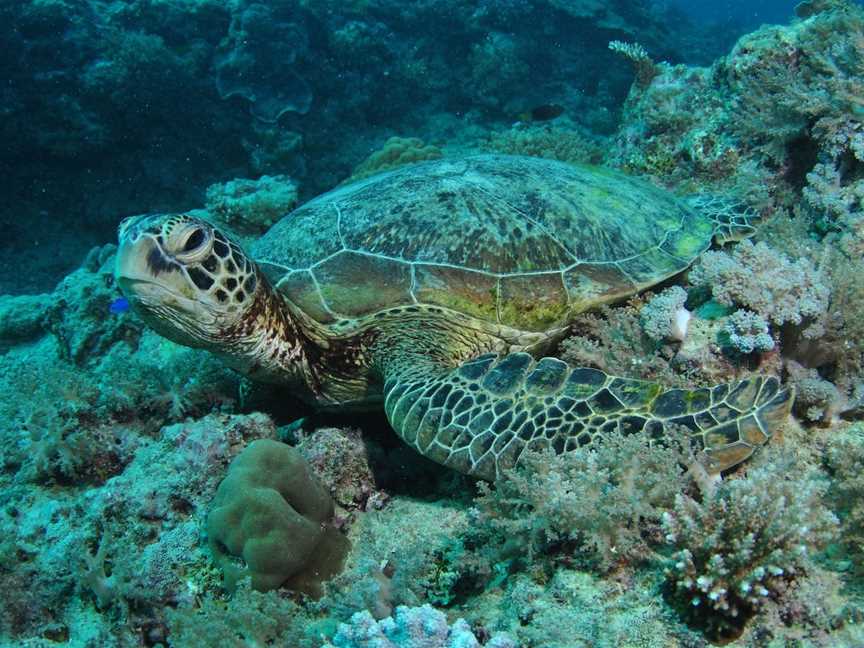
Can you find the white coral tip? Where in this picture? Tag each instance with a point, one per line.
(680, 322)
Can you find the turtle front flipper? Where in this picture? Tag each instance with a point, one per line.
(481, 416)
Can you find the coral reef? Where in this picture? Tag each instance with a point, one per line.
(768, 283)
(114, 441)
(602, 501)
(541, 557)
(117, 107)
(778, 116)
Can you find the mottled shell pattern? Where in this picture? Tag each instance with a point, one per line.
(519, 241)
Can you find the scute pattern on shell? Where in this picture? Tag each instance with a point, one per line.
(519, 241)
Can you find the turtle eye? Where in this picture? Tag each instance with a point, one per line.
(195, 240)
(192, 243)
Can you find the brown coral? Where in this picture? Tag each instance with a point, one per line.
(395, 152)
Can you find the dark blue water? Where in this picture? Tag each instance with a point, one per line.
(736, 14)
(111, 109)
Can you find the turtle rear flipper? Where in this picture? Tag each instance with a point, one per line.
(734, 219)
(481, 416)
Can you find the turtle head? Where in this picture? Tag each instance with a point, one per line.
(184, 277)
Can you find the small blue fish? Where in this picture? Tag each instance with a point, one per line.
(119, 305)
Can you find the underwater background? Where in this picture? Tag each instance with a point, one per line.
(114, 440)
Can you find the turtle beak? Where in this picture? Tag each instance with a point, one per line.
(130, 264)
(140, 256)
(132, 250)
(142, 269)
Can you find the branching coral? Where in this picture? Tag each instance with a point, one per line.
(94, 578)
(645, 68)
(745, 543)
(603, 500)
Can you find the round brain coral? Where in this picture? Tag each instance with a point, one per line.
(271, 511)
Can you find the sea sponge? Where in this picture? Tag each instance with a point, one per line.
(272, 511)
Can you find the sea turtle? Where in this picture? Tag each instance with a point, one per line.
(434, 289)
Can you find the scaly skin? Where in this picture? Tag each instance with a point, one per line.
(478, 418)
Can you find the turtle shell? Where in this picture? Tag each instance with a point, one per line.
(520, 241)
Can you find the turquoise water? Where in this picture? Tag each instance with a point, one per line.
(420, 324)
